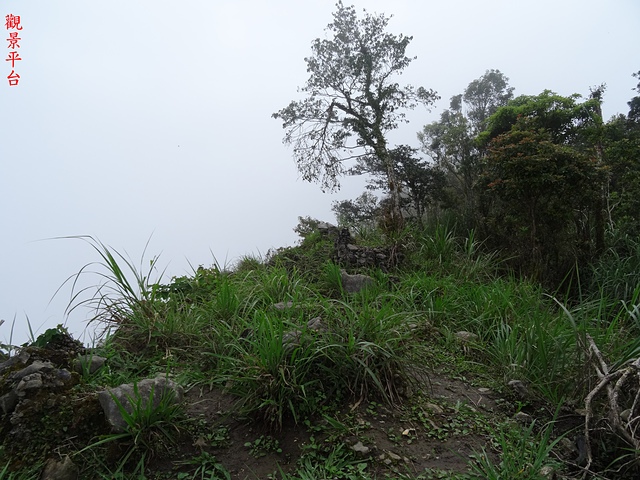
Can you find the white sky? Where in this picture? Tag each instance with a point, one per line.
(152, 118)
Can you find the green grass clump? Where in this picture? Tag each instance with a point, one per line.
(523, 454)
(282, 368)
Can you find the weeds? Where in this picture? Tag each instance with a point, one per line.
(337, 463)
(207, 468)
(523, 454)
(247, 331)
(150, 427)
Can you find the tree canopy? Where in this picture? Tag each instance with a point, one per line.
(451, 143)
(352, 99)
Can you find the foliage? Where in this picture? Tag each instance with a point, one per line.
(306, 226)
(336, 463)
(306, 260)
(361, 212)
(32, 473)
(282, 370)
(540, 186)
(263, 445)
(522, 456)
(450, 141)
(421, 182)
(622, 155)
(290, 345)
(50, 336)
(484, 96)
(616, 274)
(271, 380)
(352, 99)
(196, 288)
(126, 292)
(151, 427)
(207, 468)
(634, 103)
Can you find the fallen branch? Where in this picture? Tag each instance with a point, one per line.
(623, 422)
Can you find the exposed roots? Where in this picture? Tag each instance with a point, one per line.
(622, 405)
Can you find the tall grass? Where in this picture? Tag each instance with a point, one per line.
(522, 334)
(523, 454)
(124, 293)
(367, 350)
(270, 378)
(280, 368)
(222, 327)
(616, 274)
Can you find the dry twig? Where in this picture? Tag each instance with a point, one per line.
(615, 383)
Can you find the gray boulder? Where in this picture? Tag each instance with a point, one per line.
(129, 395)
(88, 363)
(355, 283)
(60, 470)
(292, 338)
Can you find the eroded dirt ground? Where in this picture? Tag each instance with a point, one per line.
(439, 428)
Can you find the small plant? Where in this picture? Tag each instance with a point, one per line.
(207, 468)
(522, 455)
(150, 427)
(30, 473)
(338, 462)
(50, 335)
(333, 279)
(206, 435)
(218, 437)
(263, 445)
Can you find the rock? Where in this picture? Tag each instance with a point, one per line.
(61, 377)
(394, 457)
(36, 367)
(293, 338)
(141, 392)
(523, 418)
(360, 448)
(437, 409)
(328, 229)
(519, 389)
(355, 283)
(29, 382)
(485, 391)
(21, 359)
(389, 458)
(316, 324)
(9, 401)
(88, 363)
(283, 305)
(348, 254)
(548, 472)
(466, 337)
(60, 470)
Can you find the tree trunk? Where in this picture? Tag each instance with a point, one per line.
(396, 218)
(599, 218)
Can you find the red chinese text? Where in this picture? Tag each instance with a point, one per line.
(13, 40)
(12, 22)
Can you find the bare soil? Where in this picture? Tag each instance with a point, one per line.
(438, 432)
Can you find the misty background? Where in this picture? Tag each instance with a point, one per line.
(150, 121)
